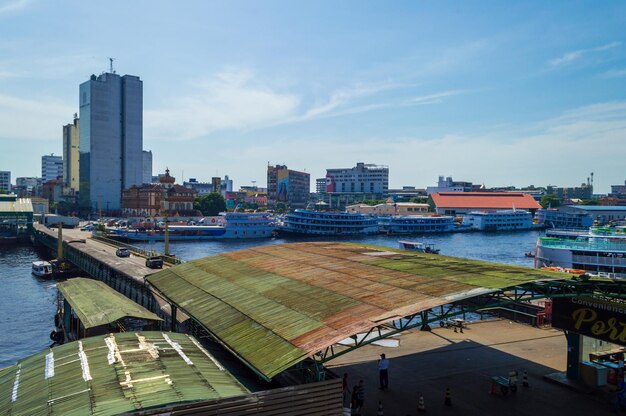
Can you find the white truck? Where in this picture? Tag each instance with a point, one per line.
(52, 220)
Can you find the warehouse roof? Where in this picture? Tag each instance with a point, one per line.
(485, 200)
(12, 204)
(97, 304)
(113, 374)
(275, 305)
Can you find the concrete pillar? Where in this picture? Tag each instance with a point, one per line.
(574, 354)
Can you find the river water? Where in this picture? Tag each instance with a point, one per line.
(28, 305)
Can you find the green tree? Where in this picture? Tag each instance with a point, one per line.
(280, 208)
(420, 200)
(550, 200)
(210, 204)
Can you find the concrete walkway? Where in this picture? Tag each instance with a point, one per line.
(428, 362)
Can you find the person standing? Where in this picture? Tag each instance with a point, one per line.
(360, 396)
(383, 372)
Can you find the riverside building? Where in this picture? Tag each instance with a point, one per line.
(363, 178)
(288, 186)
(111, 139)
(51, 167)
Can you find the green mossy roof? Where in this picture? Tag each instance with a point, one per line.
(278, 304)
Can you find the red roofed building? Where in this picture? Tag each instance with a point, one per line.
(459, 203)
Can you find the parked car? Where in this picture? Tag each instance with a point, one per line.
(154, 262)
(122, 252)
(88, 227)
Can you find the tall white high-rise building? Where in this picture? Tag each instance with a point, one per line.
(147, 167)
(111, 139)
(51, 167)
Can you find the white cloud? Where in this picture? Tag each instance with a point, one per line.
(230, 100)
(33, 119)
(12, 5)
(561, 151)
(615, 73)
(233, 100)
(569, 57)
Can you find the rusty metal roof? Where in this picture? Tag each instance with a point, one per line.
(114, 374)
(275, 305)
(97, 304)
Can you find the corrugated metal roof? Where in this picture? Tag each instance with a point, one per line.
(484, 200)
(19, 205)
(113, 374)
(97, 304)
(276, 305)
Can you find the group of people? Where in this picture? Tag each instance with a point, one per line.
(355, 397)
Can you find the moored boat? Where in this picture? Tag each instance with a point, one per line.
(230, 225)
(415, 224)
(600, 252)
(307, 222)
(418, 246)
(42, 269)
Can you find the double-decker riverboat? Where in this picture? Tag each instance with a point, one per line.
(415, 224)
(308, 222)
(601, 251)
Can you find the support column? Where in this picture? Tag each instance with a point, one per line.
(60, 242)
(573, 354)
(173, 319)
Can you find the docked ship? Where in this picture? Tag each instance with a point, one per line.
(554, 218)
(601, 252)
(308, 222)
(415, 224)
(228, 225)
(505, 220)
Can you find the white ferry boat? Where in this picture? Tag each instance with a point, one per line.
(418, 246)
(42, 269)
(228, 225)
(415, 224)
(601, 251)
(514, 219)
(307, 222)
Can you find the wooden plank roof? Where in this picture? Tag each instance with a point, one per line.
(275, 305)
(114, 374)
(97, 304)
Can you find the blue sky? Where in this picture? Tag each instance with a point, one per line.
(493, 92)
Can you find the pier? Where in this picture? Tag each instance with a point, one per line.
(98, 259)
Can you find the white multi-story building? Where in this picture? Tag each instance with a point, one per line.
(147, 167)
(448, 185)
(71, 141)
(5, 181)
(363, 178)
(111, 139)
(51, 167)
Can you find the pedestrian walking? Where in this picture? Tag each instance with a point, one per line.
(383, 372)
(360, 395)
(347, 393)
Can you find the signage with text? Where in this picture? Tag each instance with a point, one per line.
(599, 318)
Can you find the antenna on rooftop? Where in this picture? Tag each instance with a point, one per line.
(111, 65)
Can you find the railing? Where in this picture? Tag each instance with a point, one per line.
(136, 250)
(582, 245)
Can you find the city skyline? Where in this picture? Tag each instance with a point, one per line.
(488, 92)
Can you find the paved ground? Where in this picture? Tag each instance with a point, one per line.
(428, 362)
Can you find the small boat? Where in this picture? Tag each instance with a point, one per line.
(418, 246)
(529, 254)
(42, 269)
